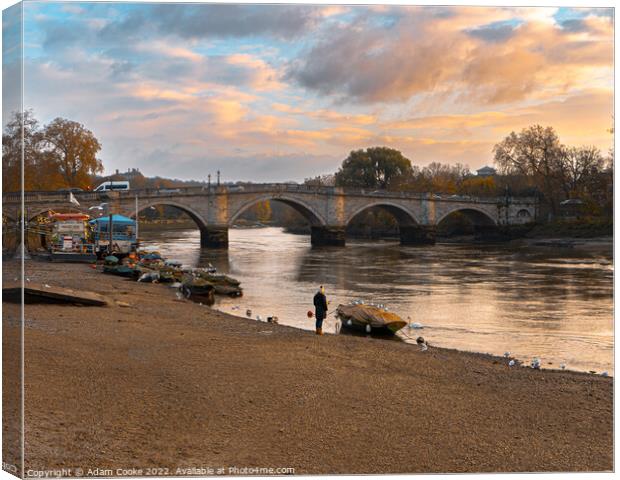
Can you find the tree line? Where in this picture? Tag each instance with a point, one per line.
(532, 162)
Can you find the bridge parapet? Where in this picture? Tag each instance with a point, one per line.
(328, 209)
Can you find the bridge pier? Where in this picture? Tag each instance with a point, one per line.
(328, 236)
(418, 234)
(214, 236)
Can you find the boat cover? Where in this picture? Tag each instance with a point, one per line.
(367, 314)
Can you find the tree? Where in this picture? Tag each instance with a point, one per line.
(376, 167)
(263, 211)
(22, 133)
(578, 166)
(535, 152)
(439, 177)
(479, 186)
(328, 180)
(74, 150)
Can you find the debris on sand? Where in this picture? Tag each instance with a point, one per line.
(199, 284)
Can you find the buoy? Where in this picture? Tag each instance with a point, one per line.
(349, 322)
(420, 340)
(310, 314)
(415, 325)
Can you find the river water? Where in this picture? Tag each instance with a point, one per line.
(555, 304)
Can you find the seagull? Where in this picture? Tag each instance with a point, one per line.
(248, 313)
(258, 317)
(605, 374)
(511, 363)
(506, 354)
(562, 366)
(536, 363)
(368, 328)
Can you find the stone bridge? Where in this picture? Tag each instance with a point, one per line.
(328, 210)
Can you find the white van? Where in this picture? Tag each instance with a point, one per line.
(112, 187)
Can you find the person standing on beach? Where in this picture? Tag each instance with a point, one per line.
(320, 309)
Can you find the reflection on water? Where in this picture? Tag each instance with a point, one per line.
(552, 303)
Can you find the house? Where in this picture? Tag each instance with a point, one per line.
(486, 172)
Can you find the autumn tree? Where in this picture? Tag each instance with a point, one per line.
(376, 167)
(441, 177)
(478, 186)
(22, 134)
(59, 155)
(535, 152)
(73, 149)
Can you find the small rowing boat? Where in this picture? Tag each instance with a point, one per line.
(369, 319)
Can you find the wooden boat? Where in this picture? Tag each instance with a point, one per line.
(198, 290)
(369, 319)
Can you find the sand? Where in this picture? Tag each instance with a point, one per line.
(157, 382)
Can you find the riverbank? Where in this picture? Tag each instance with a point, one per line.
(153, 381)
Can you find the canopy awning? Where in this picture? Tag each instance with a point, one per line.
(116, 220)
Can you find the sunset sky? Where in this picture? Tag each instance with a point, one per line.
(275, 93)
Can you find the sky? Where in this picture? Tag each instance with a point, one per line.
(285, 92)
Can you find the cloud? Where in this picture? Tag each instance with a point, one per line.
(494, 32)
(488, 55)
(209, 21)
(283, 92)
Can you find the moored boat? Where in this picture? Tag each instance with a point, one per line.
(369, 319)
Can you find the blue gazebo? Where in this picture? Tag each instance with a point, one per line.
(123, 229)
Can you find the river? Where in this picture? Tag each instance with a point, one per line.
(551, 303)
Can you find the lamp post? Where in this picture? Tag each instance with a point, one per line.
(137, 220)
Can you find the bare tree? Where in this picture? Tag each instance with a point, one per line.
(578, 166)
(535, 152)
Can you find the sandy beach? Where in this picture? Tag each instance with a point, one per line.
(151, 381)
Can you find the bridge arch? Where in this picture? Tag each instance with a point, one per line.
(476, 221)
(314, 218)
(410, 229)
(476, 215)
(200, 222)
(402, 215)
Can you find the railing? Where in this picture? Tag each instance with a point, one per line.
(87, 248)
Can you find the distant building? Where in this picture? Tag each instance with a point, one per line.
(130, 174)
(486, 172)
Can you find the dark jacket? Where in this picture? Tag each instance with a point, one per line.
(320, 305)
